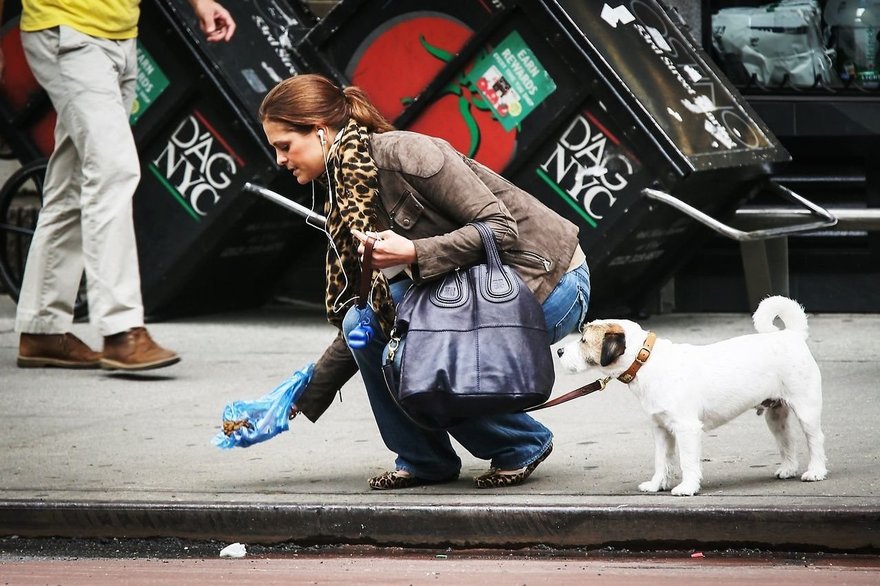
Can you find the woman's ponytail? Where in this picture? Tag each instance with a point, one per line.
(364, 112)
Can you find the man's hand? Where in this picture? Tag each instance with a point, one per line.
(389, 250)
(214, 20)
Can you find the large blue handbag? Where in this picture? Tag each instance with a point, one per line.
(470, 344)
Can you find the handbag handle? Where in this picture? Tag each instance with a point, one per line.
(499, 284)
(366, 273)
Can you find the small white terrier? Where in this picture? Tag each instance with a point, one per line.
(686, 388)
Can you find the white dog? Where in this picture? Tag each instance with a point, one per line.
(686, 388)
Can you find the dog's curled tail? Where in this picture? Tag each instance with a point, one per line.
(789, 311)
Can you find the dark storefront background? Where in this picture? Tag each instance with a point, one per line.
(828, 117)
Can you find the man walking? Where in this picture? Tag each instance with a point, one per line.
(84, 54)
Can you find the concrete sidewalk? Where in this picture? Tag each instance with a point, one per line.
(92, 454)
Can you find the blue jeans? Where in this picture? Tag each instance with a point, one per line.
(509, 441)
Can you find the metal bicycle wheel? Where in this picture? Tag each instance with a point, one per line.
(21, 198)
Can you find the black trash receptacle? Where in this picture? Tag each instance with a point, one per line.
(591, 107)
(203, 245)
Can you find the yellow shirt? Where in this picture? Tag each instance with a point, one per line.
(108, 19)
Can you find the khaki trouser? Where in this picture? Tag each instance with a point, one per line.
(86, 219)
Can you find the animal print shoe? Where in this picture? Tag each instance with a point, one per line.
(395, 479)
(496, 478)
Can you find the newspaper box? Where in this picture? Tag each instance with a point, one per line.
(204, 245)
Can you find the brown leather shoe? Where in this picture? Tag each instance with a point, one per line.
(135, 350)
(58, 350)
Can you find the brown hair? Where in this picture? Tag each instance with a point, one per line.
(307, 100)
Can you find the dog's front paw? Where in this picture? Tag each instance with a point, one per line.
(686, 489)
(814, 475)
(786, 471)
(656, 484)
(649, 486)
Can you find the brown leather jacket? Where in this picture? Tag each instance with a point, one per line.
(429, 193)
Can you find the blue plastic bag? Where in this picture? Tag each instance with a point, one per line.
(246, 423)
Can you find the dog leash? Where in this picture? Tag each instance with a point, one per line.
(583, 391)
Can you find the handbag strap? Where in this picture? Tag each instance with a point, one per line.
(498, 283)
(597, 385)
(492, 256)
(366, 273)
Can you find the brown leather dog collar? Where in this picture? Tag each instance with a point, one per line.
(641, 358)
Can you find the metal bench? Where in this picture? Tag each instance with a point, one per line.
(764, 242)
(765, 262)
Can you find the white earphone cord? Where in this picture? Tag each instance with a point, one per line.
(337, 304)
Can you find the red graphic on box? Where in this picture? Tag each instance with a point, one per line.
(403, 59)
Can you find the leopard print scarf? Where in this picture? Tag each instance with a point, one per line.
(356, 187)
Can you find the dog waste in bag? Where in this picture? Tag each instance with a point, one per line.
(246, 423)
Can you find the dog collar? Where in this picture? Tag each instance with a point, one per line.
(642, 357)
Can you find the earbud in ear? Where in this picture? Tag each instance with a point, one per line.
(321, 135)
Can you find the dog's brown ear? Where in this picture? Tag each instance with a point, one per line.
(613, 346)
